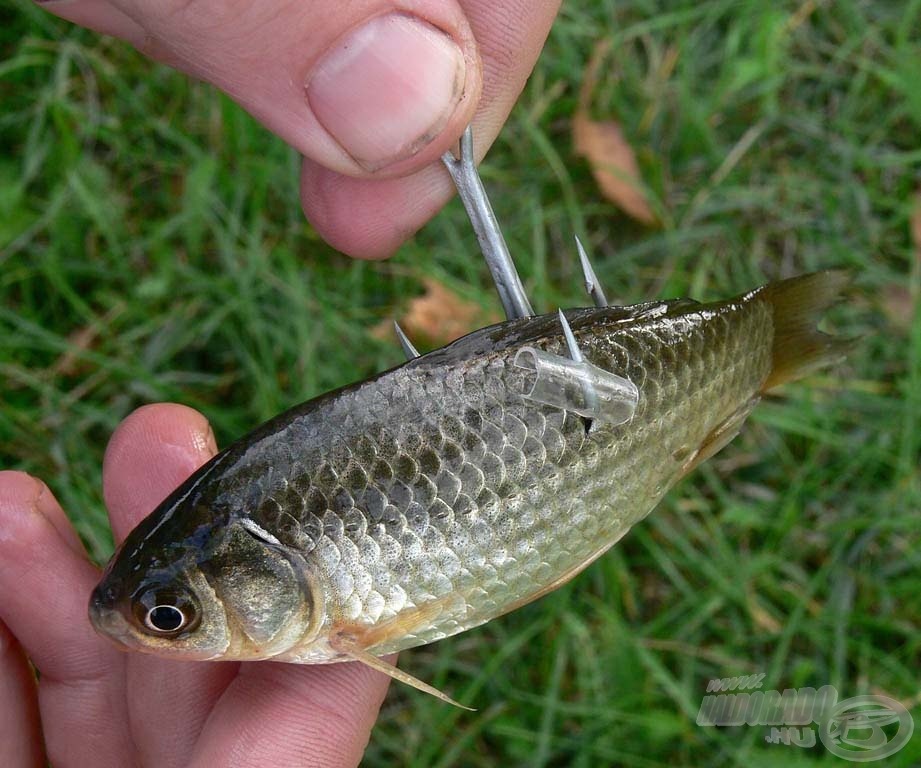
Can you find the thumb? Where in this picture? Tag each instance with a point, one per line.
(368, 87)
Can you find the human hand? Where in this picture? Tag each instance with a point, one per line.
(370, 92)
(98, 706)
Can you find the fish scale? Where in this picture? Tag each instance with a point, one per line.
(437, 515)
(460, 485)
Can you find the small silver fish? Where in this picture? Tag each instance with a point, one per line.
(459, 486)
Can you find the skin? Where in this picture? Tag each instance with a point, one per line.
(103, 707)
(263, 57)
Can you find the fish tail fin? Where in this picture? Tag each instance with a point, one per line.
(799, 347)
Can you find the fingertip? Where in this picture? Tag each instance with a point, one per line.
(41, 576)
(397, 88)
(18, 490)
(159, 428)
(22, 494)
(371, 218)
(20, 518)
(151, 452)
(100, 15)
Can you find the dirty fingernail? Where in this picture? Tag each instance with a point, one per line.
(387, 88)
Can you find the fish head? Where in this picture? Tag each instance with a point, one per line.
(195, 581)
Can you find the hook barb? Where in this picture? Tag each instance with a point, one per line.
(574, 352)
(592, 286)
(408, 349)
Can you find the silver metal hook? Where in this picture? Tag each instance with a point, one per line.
(473, 195)
(574, 352)
(408, 349)
(591, 279)
(574, 384)
(588, 391)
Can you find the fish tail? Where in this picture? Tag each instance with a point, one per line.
(799, 347)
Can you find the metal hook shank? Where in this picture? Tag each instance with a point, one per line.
(472, 194)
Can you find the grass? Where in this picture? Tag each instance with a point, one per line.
(152, 248)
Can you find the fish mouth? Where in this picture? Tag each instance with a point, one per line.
(104, 616)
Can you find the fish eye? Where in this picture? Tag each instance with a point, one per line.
(166, 611)
(164, 618)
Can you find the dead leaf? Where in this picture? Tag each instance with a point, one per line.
(437, 317)
(613, 164)
(608, 152)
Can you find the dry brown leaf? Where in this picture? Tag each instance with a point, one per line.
(607, 150)
(438, 316)
(613, 164)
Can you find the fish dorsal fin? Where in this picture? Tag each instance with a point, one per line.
(350, 648)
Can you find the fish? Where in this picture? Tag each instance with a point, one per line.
(456, 487)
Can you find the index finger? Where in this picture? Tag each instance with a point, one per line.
(154, 450)
(151, 453)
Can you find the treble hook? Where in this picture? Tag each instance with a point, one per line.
(473, 195)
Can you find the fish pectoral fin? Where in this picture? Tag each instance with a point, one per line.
(409, 621)
(354, 640)
(719, 437)
(352, 650)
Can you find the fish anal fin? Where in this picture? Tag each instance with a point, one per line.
(718, 437)
(349, 648)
